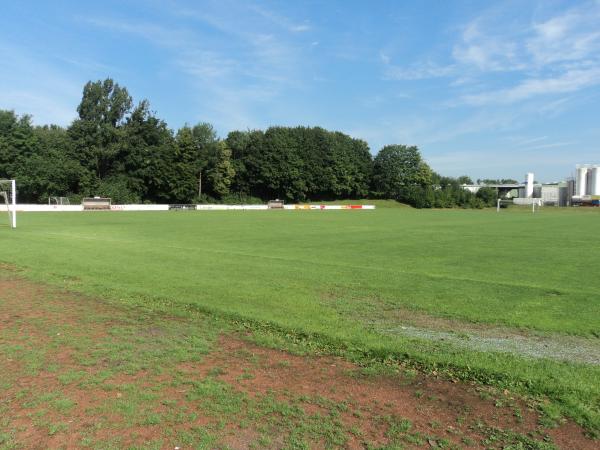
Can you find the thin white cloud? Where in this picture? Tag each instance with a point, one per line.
(391, 130)
(482, 121)
(563, 51)
(500, 59)
(492, 162)
(419, 71)
(531, 140)
(300, 28)
(280, 20)
(570, 81)
(158, 35)
(88, 65)
(486, 51)
(207, 64)
(258, 52)
(548, 145)
(573, 35)
(554, 107)
(384, 57)
(230, 77)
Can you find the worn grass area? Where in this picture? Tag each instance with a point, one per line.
(333, 279)
(80, 373)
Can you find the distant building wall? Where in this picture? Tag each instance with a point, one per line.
(550, 194)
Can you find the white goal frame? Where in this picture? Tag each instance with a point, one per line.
(535, 203)
(502, 201)
(10, 199)
(58, 200)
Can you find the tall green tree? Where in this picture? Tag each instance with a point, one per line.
(350, 166)
(38, 158)
(221, 171)
(17, 142)
(205, 141)
(49, 171)
(185, 168)
(239, 143)
(148, 149)
(300, 163)
(98, 132)
(397, 169)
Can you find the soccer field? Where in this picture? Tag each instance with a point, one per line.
(309, 269)
(380, 282)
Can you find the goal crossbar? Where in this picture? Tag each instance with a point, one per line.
(8, 195)
(535, 203)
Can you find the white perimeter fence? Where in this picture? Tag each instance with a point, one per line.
(75, 208)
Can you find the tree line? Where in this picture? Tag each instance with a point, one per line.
(118, 149)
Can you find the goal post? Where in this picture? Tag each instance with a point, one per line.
(8, 196)
(58, 200)
(503, 203)
(535, 203)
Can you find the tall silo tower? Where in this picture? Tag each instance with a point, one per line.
(581, 181)
(529, 185)
(595, 180)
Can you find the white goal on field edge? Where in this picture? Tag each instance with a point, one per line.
(535, 203)
(58, 201)
(8, 196)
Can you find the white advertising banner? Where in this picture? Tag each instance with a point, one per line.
(74, 208)
(139, 207)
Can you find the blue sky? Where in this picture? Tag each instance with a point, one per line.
(488, 89)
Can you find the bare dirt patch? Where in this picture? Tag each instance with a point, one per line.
(77, 372)
(438, 410)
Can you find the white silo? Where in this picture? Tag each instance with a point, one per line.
(529, 185)
(580, 187)
(595, 188)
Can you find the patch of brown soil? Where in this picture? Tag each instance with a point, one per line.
(434, 407)
(437, 409)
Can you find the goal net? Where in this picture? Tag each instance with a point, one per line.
(58, 201)
(534, 203)
(8, 200)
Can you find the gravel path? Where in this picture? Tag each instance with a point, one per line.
(573, 349)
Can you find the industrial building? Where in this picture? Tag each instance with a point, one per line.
(587, 185)
(583, 190)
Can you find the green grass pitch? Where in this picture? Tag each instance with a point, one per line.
(337, 275)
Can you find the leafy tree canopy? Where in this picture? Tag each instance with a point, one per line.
(397, 169)
(121, 150)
